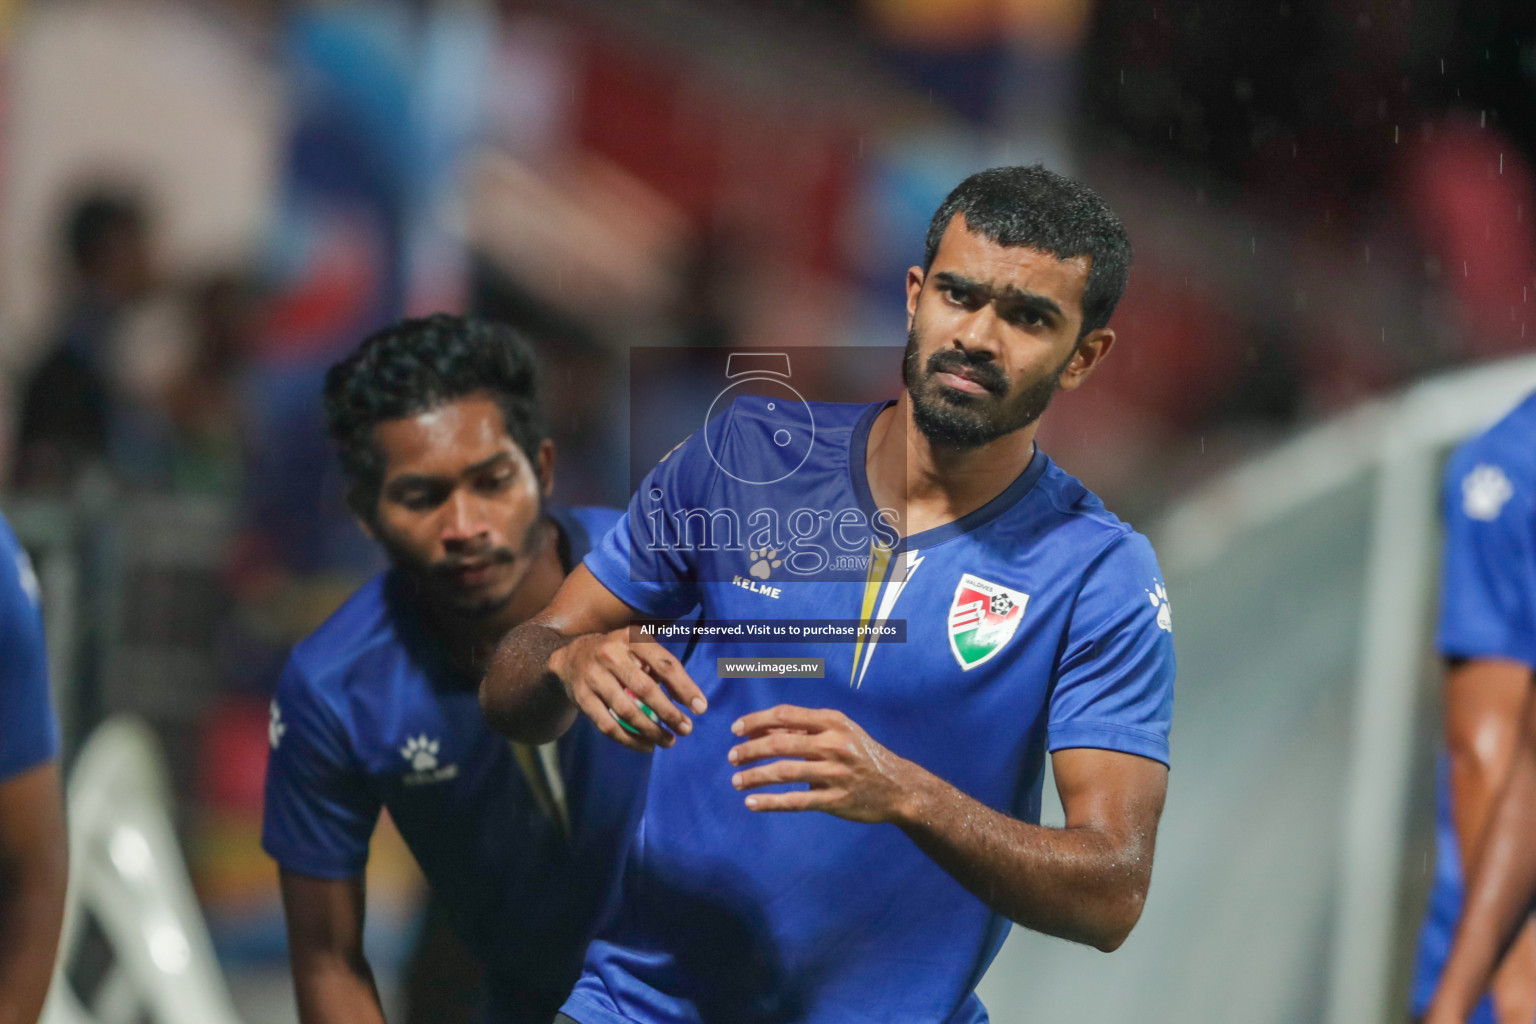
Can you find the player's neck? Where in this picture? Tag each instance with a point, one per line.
(932, 485)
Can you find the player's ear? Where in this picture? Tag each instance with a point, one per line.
(1091, 350)
(546, 467)
(915, 278)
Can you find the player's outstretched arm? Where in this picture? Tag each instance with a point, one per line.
(577, 655)
(1085, 882)
(1501, 884)
(331, 977)
(34, 864)
(1484, 698)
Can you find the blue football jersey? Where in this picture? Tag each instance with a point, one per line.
(1487, 610)
(1035, 623)
(29, 732)
(369, 715)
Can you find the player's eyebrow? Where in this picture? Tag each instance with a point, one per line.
(1011, 294)
(408, 480)
(490, 463)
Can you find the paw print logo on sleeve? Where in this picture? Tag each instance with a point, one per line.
(1484, 492)
(275, 726)
(764, 561)
(1158, 595)
(421, 752)
(28, 578)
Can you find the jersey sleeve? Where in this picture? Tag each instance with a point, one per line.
(319, 813)
(1114, 685)
(1488, 577)
(29, 730)
(642, 560)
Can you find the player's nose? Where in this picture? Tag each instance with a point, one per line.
(980, 331)
(463, 519)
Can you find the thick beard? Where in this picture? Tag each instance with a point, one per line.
(484, 607)
(955, 420)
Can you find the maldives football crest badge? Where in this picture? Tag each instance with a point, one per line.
(983, 617)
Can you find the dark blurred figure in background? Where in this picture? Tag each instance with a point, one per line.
(65, 407)
(203, 400)
(34, 859)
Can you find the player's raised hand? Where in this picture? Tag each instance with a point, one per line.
(626, 686)
(850, 775)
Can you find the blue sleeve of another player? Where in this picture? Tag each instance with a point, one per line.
(1114, 686)
(29, 732)
(319, 813)
(1488, 581)
(642, 560)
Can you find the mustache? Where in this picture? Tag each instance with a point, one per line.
(490, 556)
(982, 372)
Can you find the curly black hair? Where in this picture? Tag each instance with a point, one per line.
(417, 365)
(1034, 208)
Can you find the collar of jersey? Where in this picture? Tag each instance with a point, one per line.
(858, 449)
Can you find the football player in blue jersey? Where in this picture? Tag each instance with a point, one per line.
(1488, 631)
(1488, 638)
(34, 860)
(1031, 622)
(443, 442)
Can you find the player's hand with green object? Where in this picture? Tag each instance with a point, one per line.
(627, 687)
(850, 774)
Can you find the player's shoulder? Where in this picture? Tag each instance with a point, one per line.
(18, 581)
(584, 525)
(1511, 441)
(1065, 529)
(761, 409)
(8, 541)
(1071, 507)
(767, 419)
(356, 635)
(767, 438)
(1487, 470)
(1110, 564)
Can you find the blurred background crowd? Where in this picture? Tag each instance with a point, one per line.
(204, 203)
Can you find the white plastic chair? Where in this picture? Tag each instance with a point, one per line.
(134, 946)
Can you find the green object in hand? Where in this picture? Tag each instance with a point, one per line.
(643, 707)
